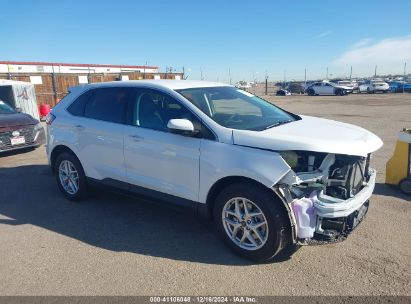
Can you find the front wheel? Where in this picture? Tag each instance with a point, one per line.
(70, 177)
(251, 221)
(339, 92)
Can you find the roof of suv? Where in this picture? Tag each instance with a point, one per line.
(165, 83)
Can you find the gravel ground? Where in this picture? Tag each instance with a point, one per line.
(111, 245)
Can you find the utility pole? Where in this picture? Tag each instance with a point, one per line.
(266, 83)
(305, 78)
(375, 72)
(201, 73)
(284, 78)
(8, 72)
(144, 73)
(350, 73)
(403, 85)
(229, 74)
(327, 74)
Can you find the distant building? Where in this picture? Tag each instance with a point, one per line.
(73, 68)
(53, 79)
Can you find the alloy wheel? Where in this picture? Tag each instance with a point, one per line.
(69, 177)
(245, 223)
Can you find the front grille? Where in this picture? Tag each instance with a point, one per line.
(27, 132)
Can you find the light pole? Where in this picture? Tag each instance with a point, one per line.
(403, 85)
(305, 78)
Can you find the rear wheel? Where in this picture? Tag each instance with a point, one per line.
(311, 92)
(251, 221)
(70, 177)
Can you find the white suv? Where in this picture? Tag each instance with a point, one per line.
(267, 177)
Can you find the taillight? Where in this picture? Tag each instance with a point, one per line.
(50, 118)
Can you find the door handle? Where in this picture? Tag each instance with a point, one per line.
(80, 127)
(136, 137)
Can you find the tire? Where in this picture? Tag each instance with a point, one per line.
(274, 235)
(63, 161)
(405, 186)
(368, 91)
(310, 92)
(339, 92)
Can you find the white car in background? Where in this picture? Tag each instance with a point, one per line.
(244, 85)
(373, 86)
(327, 88)
(268, 178)
(349, 84)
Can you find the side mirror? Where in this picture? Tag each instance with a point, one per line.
(181, 126)
(19, 110)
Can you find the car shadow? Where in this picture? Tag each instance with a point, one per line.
(390, 190)
(16, 152)
(29, 195)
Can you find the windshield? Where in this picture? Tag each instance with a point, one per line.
(5, 108)
(236, 109)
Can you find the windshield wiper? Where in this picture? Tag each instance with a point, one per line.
(279, 123)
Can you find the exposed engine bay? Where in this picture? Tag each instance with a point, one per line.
(327, 193)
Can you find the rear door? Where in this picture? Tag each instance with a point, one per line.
(317, 87)
(99, 128)
(327, 89)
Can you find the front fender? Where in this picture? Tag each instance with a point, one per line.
(220, 160)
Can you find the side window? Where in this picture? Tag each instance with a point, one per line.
(108, 104)
(152, 110)
(77, 107)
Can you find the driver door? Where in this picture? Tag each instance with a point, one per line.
(157, 160)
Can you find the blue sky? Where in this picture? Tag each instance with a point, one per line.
(250, 38)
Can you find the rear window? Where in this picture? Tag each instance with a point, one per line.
(108, 104)
(77, 107)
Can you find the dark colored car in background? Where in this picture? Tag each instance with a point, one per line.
(19, 130)
(295, 88)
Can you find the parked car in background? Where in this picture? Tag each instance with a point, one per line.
(282, 92)
(327, 88)
(244, 85)
(374, 86)
(267, 177)
(396, 86)
(295, 88)
(349, 84)
(18, 130)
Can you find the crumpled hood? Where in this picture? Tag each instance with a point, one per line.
(312, 134)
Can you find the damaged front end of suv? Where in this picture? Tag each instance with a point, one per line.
(327, 194)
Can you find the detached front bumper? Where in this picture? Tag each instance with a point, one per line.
(321, 219)
(336, 219)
